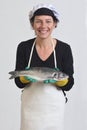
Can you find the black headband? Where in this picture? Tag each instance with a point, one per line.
(43, 11)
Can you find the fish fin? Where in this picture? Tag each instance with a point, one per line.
(13, 74)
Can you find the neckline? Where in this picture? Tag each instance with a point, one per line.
(41, 58)
(50, 54)
(53, 52)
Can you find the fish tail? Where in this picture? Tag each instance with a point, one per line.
(13, 74)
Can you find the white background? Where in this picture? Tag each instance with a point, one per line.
(14, 28)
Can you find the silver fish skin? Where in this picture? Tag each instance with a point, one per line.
(40, 74)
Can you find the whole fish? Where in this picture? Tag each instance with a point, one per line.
(40, 74)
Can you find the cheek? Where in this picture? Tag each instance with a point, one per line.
(35, 27)
(52, 28)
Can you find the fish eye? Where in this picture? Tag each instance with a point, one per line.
(61, 75)
(55, 75)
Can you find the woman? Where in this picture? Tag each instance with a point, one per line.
(42, 104)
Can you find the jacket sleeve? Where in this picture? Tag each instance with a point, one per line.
(67, 65)
(20, 64)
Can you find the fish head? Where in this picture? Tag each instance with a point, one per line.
(59, 75)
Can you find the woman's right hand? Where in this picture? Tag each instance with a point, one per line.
(27, 79)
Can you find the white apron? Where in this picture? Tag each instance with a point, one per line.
(42, 105)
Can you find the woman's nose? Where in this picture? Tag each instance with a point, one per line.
(43, 24)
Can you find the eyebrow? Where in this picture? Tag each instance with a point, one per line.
(41, 19)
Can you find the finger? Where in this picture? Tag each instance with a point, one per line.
(46, 81)
(52, 81)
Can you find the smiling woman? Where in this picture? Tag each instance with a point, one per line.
(42, 103)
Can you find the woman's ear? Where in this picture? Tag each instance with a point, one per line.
(32, 25)
(55, 24)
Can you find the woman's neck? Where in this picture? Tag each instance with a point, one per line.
(45, 43)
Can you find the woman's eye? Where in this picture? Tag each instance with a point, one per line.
(48, 21)
(38, 21)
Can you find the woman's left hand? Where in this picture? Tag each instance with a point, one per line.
(59, 83)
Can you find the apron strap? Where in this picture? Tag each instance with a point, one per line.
(54, 53)
(31, 53)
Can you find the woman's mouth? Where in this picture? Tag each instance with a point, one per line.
(43, 31)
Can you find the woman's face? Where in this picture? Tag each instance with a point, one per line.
(43, 26)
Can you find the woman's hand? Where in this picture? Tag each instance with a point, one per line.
(27, 79)
(59, 83)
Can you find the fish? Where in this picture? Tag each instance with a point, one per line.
(40, 74)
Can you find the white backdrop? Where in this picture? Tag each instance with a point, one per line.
(14, 28)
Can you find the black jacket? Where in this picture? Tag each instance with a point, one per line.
(63, 55)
